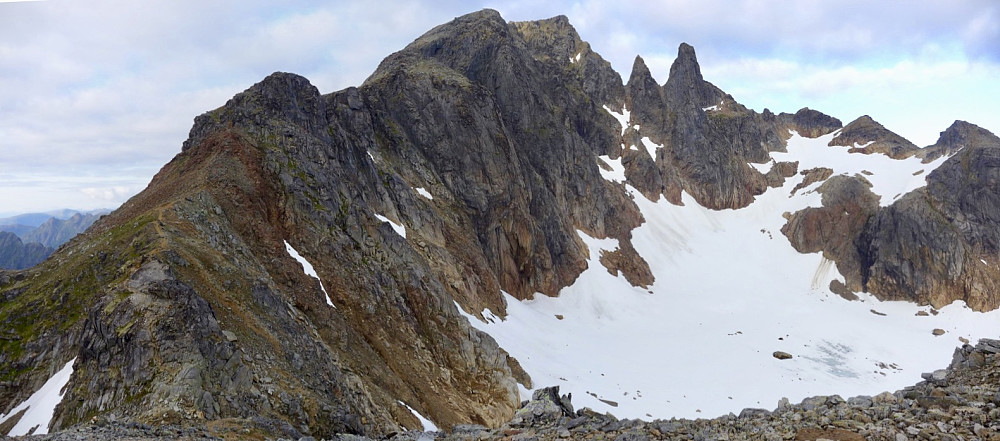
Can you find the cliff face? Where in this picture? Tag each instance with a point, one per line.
(935, 245)
(463, 167)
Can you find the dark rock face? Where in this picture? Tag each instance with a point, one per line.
(934, 245)
(810, 123)
(873, 138)
(15, 254)
(779, 172)
(937, 244)
(708, 138)
(848, 203)
(554, 42)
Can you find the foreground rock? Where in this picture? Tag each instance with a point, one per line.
(960, 402)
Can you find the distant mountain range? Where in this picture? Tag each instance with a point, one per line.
(15, 254)
(27, 239)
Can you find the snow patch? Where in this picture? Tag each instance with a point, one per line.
(710, 108)
(370, 155)
(426, 423)
(623, 117)
(400, 230)
(762, 168)
(888, 176)
(617, 172)
(421, 191)
(41, 405)
(308, 269)
(650, 146)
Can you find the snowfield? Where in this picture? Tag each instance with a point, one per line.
(40, 407)
(730, 291)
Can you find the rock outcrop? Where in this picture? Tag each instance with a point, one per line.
(810, 123)
(865, 135)
(935, 245)
(956, 402)
(848, 203)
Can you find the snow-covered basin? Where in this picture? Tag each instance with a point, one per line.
(729, 292)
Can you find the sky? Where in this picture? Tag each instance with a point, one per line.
(96, 96)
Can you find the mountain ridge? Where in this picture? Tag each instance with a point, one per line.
(192, 311)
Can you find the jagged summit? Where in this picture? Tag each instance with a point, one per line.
(959, 135)
(865, 135)
(686, 86)
(813, 123)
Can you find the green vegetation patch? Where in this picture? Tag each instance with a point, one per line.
(56, 295)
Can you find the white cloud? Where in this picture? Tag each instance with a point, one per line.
(107, 195)
(915, 98)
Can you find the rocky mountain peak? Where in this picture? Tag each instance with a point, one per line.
(962, 133)
(279, 96)
(556, 43)
(640, 72)
(686, 60)
(686, 86)
(554, 37)
(956, 137)
(474, 45)
(865, 135)
(644, 95)
(813, 123)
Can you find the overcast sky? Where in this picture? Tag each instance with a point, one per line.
(95, 96)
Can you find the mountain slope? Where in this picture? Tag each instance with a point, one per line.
(483, 168)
